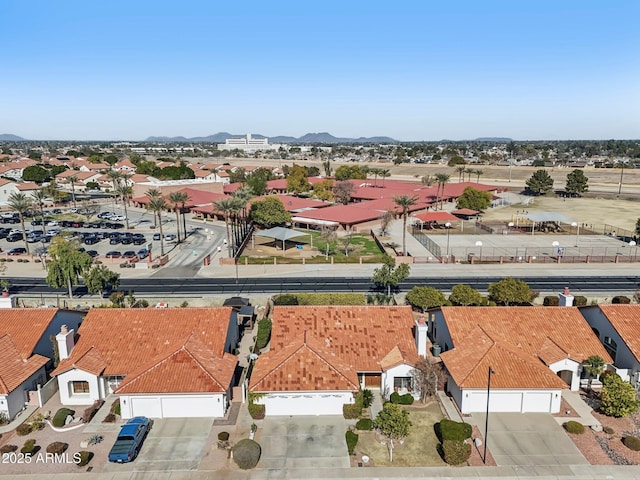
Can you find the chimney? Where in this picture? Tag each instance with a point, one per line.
(65, 341)
(565, 298)
(8, 301)
(421, 336)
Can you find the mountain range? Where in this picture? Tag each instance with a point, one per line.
(7, 137)
(322, 137)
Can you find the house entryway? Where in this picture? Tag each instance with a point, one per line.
(566, 376)
(372, 380)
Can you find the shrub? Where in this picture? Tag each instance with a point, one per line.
(364, 424)
(115, 407)
(83, 457)
(29, 447)
(608, 430)
(580, 301)
(109, 418)
(551, 301)
(632, 443)
(352, 441)
(8, 448)
(285, 299)
(455, 431)
(455, 452)
(4, 418)
(57, 448)
(621, 299)
(223, 436)
(617, 398)
(90, 412)
(406, 399)
(60, 416)
(256, 411)
(351, 410)
(330, 298)
(367, 397)
(24, 429)
(264, 333)
(574, 427)
(246, 453)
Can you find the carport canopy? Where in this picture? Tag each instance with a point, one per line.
(540, 217)
(280, 233)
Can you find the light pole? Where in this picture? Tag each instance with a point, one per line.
(486, 419)
(448, 227)
(479, 244)
(575, 224)
(632, 243)
(509, 227)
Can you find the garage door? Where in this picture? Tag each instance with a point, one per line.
(314, 404)
(146, 407)
(499, 402)
(536, 402)
(175, 407)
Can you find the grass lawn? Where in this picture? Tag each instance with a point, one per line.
(419, 448)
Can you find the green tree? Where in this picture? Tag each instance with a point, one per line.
(405, 202)
(326, 166)
(178, 199)
(257, 180)
(228, 207)
(511, 291)
(393, 422)
(456, 160)
(35, 173)
(539, 183)
(114, 176)
(441, 180)
(157, 205)
(460, 169)
(348, 172)
(66, 264)
(239, 175)
(618, 398)
(425, 297)
(324, 190)
(39, 196)
(110, 159)
(577, 183)
(463, 294)
(342, 191)
(389, 275)
(594, 366)
(100, 278)
(478, 173)
(124, 192)
(269, 212)
(474, 199)
(297, 180)
(21, 203)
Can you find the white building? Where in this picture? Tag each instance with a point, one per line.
(247, 144)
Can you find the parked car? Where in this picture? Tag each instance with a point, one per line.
(52, 223)
(17, 251)
(118, 218)
(14, 237)
(113, 254)
(156, 236)
(91, 240)
(129, 254)
(170, 237)
(105, 215)
(130, 439)
(143, 253)
(139, 240)
(57, 211)
(92, 253)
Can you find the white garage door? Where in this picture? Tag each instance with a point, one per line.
(498, 402)
(536, 402)
(175, 407)
(146, 407)
(310, 404)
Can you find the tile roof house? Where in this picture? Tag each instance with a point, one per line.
(26, 350)
(618, 328)
(320, 356)
(535, 352)
(162, 363)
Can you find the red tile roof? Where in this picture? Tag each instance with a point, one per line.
(435, 217)
(625, 319)
(345, 214)
(26, 326)
(293, 204)
(15, 368)
(119, 340)
(465, 212)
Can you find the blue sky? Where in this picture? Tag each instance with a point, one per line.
(412, 70)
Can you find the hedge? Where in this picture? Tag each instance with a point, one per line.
(455, 452)
(364, 424)
(574, 427)
(352, 441)
(454, 431)
(580, 301)
(264, 333)
(406, 399)
(632, 443)
(621, 299)
(285, 299)
(85, 457)
(331, 299)
(551, 301)
(246, 453)
(351, 410)
(60, 417)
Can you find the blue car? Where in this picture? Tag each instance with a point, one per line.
(129, 441)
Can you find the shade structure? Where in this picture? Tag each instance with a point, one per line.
(435, 217)
(280, 233)
(548, 217)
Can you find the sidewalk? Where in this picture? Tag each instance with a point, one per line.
(582, 410)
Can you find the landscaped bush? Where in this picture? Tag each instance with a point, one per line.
(455, 452)
(84, 458)
(574, 427)
(621, 299)
(352, 441)
(57, 448)
(285, 299)
(364, 424)
(256, 411)
(455, 431)
(580, 301)
(24, 429)
(264, 333)
(90, 412)
(109, 418)
(246, 453)
(8, 448)
(330, 298)
(60, 417)
(551, 301)
(29, 447)
(632, 443)
(351, 410)
(367, 397)
(223, 436)
(608, 430)
(406, 399)
(115, 407)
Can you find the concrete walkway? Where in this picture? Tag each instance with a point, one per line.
(376, 406)
(414, 247)
(581, 409)
(19, 419)
(449, 407)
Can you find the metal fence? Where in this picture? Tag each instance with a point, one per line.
(545, 254)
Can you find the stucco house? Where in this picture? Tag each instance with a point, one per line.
(164, 363)
(321, 356)
(533, 353)
(618, 328)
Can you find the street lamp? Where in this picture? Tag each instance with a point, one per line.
(486, 420)
(448, 227)
(632, 243)
(577, 226)
(509, 227)
(479, 244)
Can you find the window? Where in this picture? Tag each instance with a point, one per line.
(402, 383)
(80, 387)
(611, 346)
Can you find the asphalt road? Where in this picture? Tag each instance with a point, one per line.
(204, 286)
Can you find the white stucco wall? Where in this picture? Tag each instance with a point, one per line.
(16, 400)
(305, 403)
(64, 388)
(573, 367)
(388, 376)
(173, 405)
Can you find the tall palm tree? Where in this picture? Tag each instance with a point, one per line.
(461, 169)
(157, 205)
(243, 195)
(124, 191)
(39, 196)
(375, 172)
(178, 199)
(384, 173)
(228, 207)
(442, 179)
(115, 177)
(594, 366)
(478, 173)
(73, 179)
(153, 193)
(20, 203)
(404, 202)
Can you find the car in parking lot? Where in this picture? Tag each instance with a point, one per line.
(156, 236)
(139, 240)
(4, 232)
(91, 240)
(115, 240)
(105, 215)
(170, 237)
(57, 211)
(129, 254)
(92, 253)
(14, 237)
(143, 253)
(17, 251)
(113, 254)
(52, 223)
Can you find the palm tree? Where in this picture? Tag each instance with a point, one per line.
(115, 177)
(470, 171)
(375, 172)
(384, 173)
(73, 179)
(404, 202)
(460, 169)
(227, 206)
(478, 173)
(124, 191)
(20, 203)
(39, 197)
(157, 205)
(441, 179)
(594, 366)
(153, 193)
(179, 198)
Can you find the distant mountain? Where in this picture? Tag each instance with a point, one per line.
(7, 137)
(493, 139)
(323, 137)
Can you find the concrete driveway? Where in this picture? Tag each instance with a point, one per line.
(528, 439)
(172, 444)
(304, 442)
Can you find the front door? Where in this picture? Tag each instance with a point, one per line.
(373, 380)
